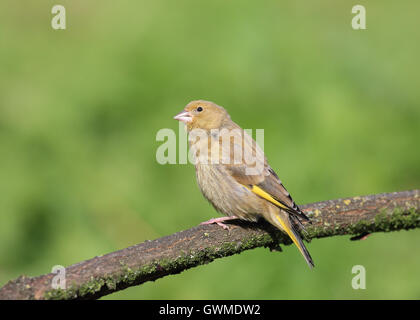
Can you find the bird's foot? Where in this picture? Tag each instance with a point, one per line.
(219, 221)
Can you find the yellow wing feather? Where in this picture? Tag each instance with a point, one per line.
(260, 192)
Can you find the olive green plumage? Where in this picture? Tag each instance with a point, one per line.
(233, 173)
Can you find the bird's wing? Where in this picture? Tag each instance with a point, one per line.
(269, 187)
(261, 179)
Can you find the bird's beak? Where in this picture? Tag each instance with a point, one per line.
(183, 116)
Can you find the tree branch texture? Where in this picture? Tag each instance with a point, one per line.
(151, 260)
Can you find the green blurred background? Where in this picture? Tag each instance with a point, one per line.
(80, 109)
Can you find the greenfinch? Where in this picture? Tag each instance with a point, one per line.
(233, 173)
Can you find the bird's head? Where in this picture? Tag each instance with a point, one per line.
(201, 114)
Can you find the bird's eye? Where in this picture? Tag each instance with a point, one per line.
(199, 109)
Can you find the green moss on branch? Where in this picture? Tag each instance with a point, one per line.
(151, 260)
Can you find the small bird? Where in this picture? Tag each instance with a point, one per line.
(234, 186)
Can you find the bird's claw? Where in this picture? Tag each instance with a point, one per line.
(224, 226)
(219, 222)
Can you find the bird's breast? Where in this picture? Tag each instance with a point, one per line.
(226, 194)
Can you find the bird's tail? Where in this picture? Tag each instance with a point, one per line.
(282, 220)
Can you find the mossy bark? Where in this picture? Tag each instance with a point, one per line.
(175, 253)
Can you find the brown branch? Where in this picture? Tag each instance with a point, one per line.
(175, 253)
